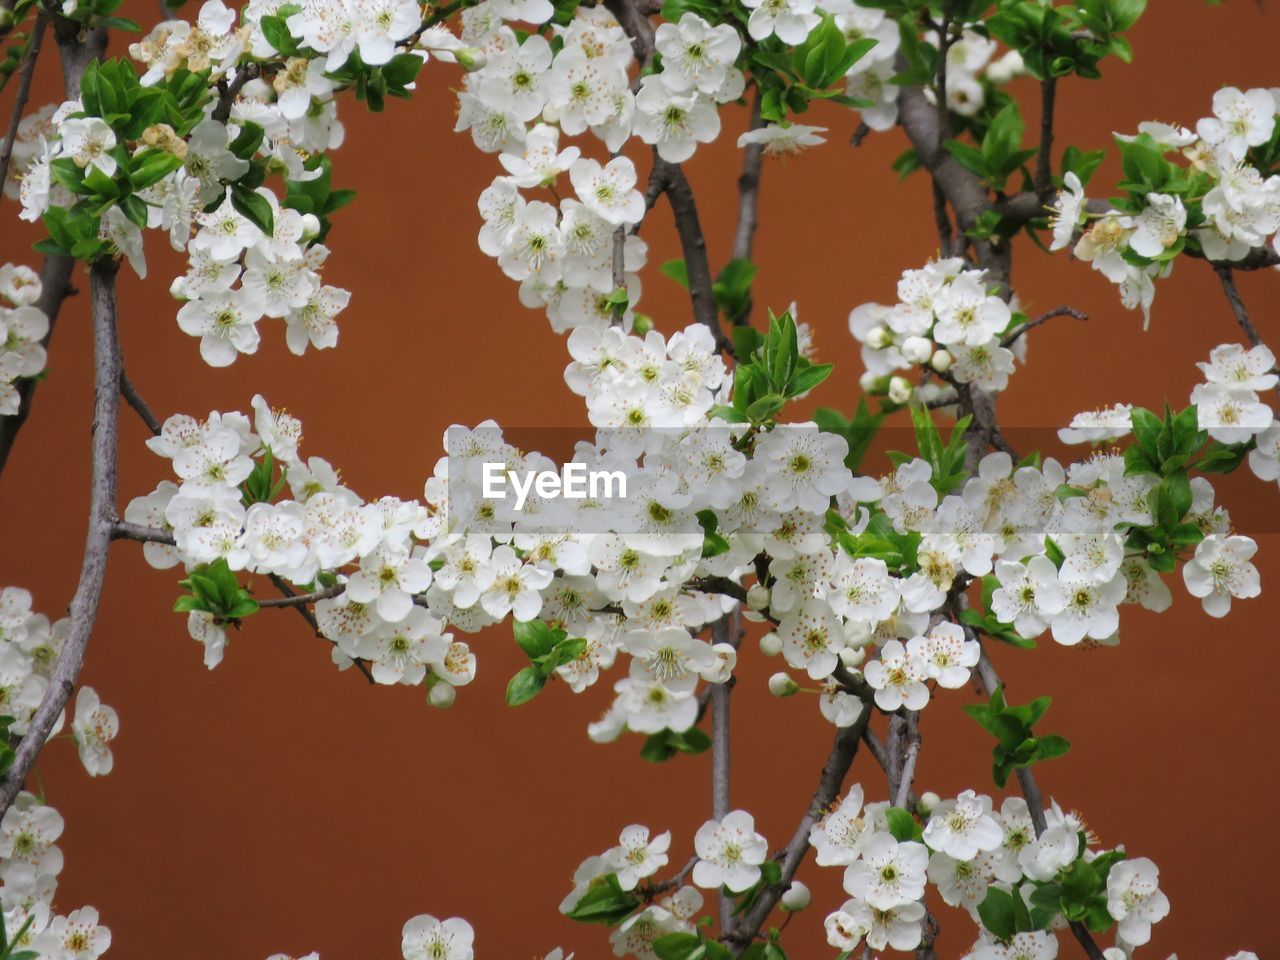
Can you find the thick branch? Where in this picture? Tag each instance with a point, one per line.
(721, 631)
(637, 25)
(1044, 159)
(749, 192)
(102, 518)
(122, 530)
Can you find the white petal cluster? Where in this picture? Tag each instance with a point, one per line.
(23, 328)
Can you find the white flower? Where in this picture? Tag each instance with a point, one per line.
(899, 927)
(1029, 595)
(89, 142)
(401, 652)
(696, 55)
(1239, 121)
(898, 678)
(1135, 899)
(94, 727)
(805, 467)
(514, 587)
(1231, 365)
(964, 827)
(778, 139)
(1221, 570)
(28, 833)
(789, 20)
(967, 314)
(426, 938)
(888, 873)
(1035, 945)
(1264, 459)
(674, 122)
(947, 654)
(636, 856)
(77, 936)
(514, 79)
(730, 852)
(812, 638)
(1090, 610)
(1158, 226)
(1096, 426)
(202, 626)
(390, 578)
(608, 191)
(838, 838)
(1231, 415)
(1068, 212)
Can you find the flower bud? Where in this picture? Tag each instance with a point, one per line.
(641, 324)
(771, 645)
(758, 596)
(550, 114)
(178, 289)
(1004, 69)
(796, 898)
(917, 349)
(310, 226)
(781, 685)
(942, 361)
(441, 695)
(879, 337)
(870, 383)
(163, 137)
(899, 389)
(929, 800)
(470, 59)
(852, 656)
(7, 18)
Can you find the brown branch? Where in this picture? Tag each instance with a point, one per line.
(693, 244)
(749, 191)
(721, 632)
(102, 518)
(122, 530)
(652, 891)
(134, 399)
(829, 786)
(1048, 315)
(1228, 280)
(638, 27)
(299, 601)
(28, 70)
(1044, 159)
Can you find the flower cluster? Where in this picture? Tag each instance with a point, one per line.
(22, 331)
(1220, 205)
(947, 321)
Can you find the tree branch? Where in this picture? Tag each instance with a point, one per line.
(693, 244)
(300, 601)
(134, 399)
(102, 518)
(1228, 280)
(720, 804)
(121, 530)
(1048, 315)
(28, 70)
(829, 786)
(1044, 159)
(749, 192)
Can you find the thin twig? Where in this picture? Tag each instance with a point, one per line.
(24, 92)
(1228, 280)
(123, 530)
(134, 399)
(299, 601)
(1043, 318)
(829, 786)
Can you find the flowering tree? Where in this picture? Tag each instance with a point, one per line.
(698, 504)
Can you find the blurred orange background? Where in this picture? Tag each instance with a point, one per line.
(276, 804)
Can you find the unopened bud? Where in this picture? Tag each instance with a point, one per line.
(469, 58)
(641, 324)
(163, 137)
(441, 695)
(796, 898)
(852, 656)
(917, 349)
(758, 596)
(942, 361)
(879, 337)
(7, 18)
(900, 389)
(870, 383)
(551, 114)
(781, 685)
(310, 226)
(1004, 69)
(771, 645)
(928, 801)
(178, 289)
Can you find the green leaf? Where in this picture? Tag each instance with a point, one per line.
(534, 637)
(605, 903)
(997, 914)
(524, 686)
(901, 824)
(662, 746)
(254, 207)
(677, 271)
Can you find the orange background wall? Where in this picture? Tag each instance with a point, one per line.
(278, 805)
